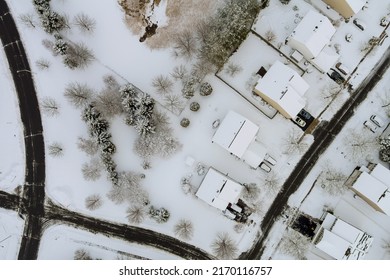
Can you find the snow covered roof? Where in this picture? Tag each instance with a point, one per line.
(356, 5)
(219, 190)
(374, 187)
(312, 34)
(325, 60)
(255, 154)
(341, 240)
(285, 87)
(235, 133)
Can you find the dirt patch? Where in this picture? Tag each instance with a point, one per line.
(182, 15)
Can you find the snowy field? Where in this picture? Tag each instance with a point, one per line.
(12, 143)
(96, 246)
(11, 230)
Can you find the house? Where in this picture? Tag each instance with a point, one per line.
(346, 8)
(372, 184)
(310, 38)
(284, 89)
(223, 193)
(340, 240)
(237, 135)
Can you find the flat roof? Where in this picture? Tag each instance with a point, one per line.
(235, 133)
(356, 5)
(374, 190)
(219, 190)
(314, 31)
(285, 87)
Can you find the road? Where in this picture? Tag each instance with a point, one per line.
(323, 137)
(33, 189)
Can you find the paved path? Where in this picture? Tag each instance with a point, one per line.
(323, 137)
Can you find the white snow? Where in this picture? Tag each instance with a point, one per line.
(11, 230)
(12, 144)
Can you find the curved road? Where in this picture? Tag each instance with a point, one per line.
(33, 189)
(323, 137)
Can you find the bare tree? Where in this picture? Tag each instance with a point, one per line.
(93, 202)
(272, 183)
(270, 36)
(330, 91)
(85, 23)
(162, 84)
(294, 244)
(251, 192)
(78, 94)
(55, 149)
(92, 170)
(111, 83)
(239, 227)
(359, 144)
(42, 64)
(50, 107)
(78, 56)
(332, 180)
(28, 20)
(232, 69)
(89, 146)
(224, 247)
(136, 214)
(82, 254)
(293, 143)
(185, 44)
(109, 103)
(184, 229)
(129, 189)
(386, 245)
(179, 72)
(174, 103)
(385, 101)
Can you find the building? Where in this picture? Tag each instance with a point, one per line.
(372, 184)
(237, 135)
(223, 193)
(310, 37)
(284, 89)
(346, 8)
(340, 240)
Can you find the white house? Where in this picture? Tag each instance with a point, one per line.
(372, 184)
(311, 36)
(219, 191)
(284, 89)
(237, 135)
(346, 8)
(341, 240)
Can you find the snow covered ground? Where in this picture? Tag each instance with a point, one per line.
(12, 144)
(69, 240)
(119, 53)
(11, 230)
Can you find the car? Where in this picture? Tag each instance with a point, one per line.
(336, 76)
(341, 67)
(359, 24)
(265, 167)
(371, 126)
(270, 159)
(305, 114)
(377, 120)
(300, 122)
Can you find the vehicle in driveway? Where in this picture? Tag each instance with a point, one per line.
(336, 76)
(341, 67)
(265, 167)
(384, 21)
(377, 120)
(300, 122)
(371, 126)
(359, 24)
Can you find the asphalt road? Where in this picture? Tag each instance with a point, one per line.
(33, 189)
(323, 137)
(59, 215)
